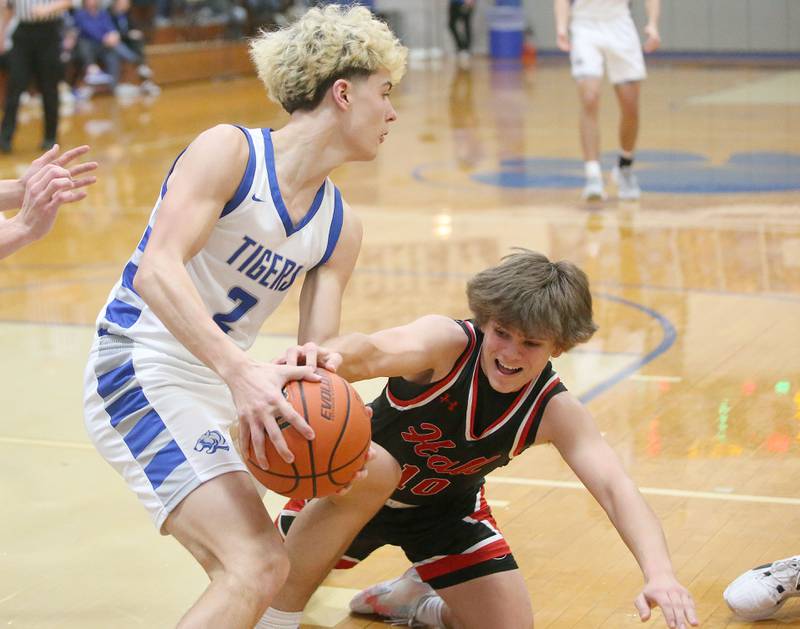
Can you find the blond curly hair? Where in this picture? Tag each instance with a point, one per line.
(298, 64)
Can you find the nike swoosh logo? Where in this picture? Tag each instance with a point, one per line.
(255, 198)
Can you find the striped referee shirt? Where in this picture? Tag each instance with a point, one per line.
(24, 10)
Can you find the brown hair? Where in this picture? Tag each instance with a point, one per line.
(541, 299)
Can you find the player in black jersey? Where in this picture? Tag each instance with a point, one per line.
(463, 398)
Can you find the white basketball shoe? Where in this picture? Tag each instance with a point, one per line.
(593, 190)
(396, 600)
(760, 592)
(627, 185)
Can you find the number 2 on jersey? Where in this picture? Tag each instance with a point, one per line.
(244, 300)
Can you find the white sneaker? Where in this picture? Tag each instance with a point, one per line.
(627, 185)
(397, 599)
(760, 592)
(593, 190)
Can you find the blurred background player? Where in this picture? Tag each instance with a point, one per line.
(459, 20)
(168, 374)
(598, 33)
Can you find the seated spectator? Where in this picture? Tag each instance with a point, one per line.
(99, 43)
(133, 39)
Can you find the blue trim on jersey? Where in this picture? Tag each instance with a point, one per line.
(115, 379)
(171, 168)
(145, 238)
(128, 274)
(127, 404)
(247, 179)
(163, 463)
(336, 227)
(121, 313)
(275, 191)
(144, 432)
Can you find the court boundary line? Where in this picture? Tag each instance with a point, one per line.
(651, 491)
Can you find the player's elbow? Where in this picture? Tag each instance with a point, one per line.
(148, 275)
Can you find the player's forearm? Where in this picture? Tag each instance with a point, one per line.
(358, 356)
(639, 528)
(169, 292)
(12, 192)
(320, 310)
(653, 11)
(561, 8)
(13, 235)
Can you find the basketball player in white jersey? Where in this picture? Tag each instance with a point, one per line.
(464, 398)
(241, 216)
(595, 32)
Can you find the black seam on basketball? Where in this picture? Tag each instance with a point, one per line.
(310, 445)
(296, 476)
(338, 469)
(341, 432)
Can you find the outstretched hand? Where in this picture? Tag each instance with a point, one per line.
(675, 602)
(52, 157)
(311, 354)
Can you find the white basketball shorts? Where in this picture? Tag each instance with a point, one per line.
(162, 423)
(615, 41)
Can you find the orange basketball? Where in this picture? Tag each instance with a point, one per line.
(328, 462)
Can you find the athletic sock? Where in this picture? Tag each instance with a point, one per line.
(593, 170)
(429, 611)
(625, 162)
(276, 619)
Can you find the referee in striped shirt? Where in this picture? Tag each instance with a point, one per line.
(35, 54)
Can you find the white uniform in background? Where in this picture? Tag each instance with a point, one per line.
(604, 31)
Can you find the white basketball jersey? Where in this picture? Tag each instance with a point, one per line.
(599, 9)
(253, 256)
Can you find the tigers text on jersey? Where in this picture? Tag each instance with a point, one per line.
(599, 9)
(252, 257)
(449, 434)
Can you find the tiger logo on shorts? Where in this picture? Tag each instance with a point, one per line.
(211, 441)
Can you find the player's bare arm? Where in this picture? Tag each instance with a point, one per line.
(562, 11)
(651, 28)
(570, 428)
(321, 299)
(187, 215)
(421, 351)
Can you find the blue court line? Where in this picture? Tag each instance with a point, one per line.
(666, 342)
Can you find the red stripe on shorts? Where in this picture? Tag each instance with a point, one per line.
(452, 563)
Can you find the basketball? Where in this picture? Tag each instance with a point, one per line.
(327, 463)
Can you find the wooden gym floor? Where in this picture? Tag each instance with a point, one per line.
(693, 376)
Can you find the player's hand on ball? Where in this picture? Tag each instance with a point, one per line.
(311, 354)
(363, 472)
(257, 391)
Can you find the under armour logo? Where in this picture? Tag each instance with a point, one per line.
(449, 402)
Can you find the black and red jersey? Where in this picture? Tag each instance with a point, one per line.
(448, 435)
